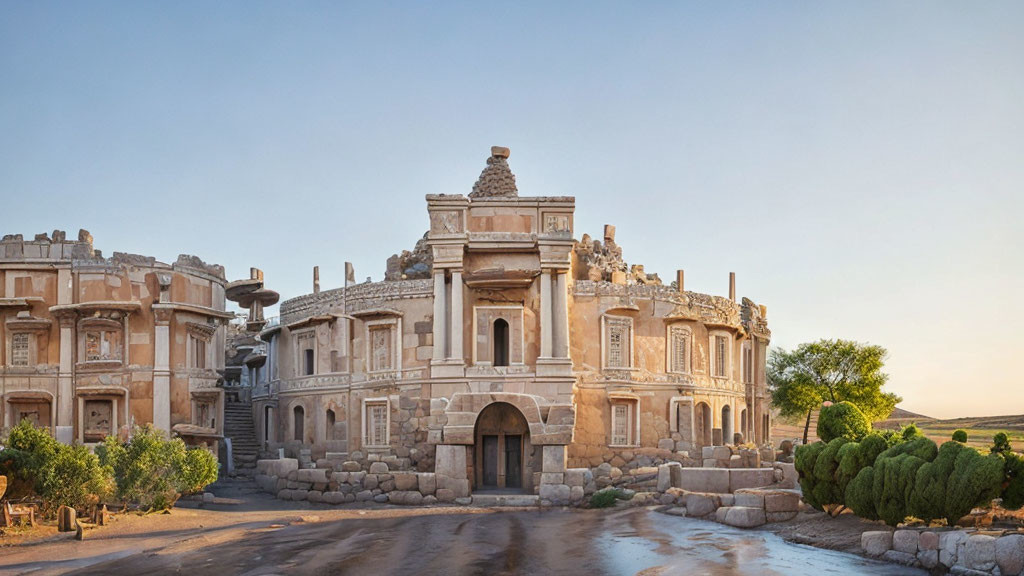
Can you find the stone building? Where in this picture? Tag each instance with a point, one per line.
(94, 344)
(502, 350)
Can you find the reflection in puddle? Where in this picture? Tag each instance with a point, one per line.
(655, 544)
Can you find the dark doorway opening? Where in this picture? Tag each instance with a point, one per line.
(500, 342)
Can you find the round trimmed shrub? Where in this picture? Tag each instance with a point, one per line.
(1013, 491)
(960, 435)
(843, 420)
(1001, 443)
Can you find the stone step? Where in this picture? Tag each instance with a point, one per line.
(506, 500)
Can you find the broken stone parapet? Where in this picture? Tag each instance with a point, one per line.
(955, 551)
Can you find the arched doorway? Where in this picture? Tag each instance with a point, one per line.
(702, 427)
(502, 451)
(727, 428)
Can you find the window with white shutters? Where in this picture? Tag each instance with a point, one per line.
(19, 349)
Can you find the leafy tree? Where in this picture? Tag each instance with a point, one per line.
(960, 435)
(842, 420)
(834, 370)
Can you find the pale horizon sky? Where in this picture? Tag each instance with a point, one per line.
(860, 166)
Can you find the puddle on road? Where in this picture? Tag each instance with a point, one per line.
(655, 544)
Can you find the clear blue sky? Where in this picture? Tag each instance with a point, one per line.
(859, 165)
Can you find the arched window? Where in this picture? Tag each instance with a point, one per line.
(300, 422)
(501, 342)
(330, 424)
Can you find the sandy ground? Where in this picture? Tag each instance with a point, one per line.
(260, 536)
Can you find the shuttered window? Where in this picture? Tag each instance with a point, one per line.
(679, 350)
(377, 423)
(19, 349)
(721, 356)
(621, 428)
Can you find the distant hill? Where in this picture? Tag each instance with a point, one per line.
(900, 414)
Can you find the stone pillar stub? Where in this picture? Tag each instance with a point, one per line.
(545, 315)
(554, 459)
(64, 426)
(162, 378)
(440, 335)
(716, 437)
(456, 351)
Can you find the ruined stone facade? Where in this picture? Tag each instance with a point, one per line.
(515, 353)
(94, 344)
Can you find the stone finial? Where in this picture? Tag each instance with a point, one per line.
(316, 279)
(679, 281)
(732, 286)
(84, 236)
(609, 233)
(497, 179)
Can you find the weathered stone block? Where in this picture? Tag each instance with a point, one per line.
(699, 505)
(780, 501)
(981, 552)
(707, 453)
(576, 493)
(315, 496)
(950, 544)
(406, 481)
(780, 516)
(721, 453)
(1010, 554)
(750, 478)
(300, 494)
(705, 480)
(905, 541)
(350, 466)
(744, 516)
(378, 468)
(897, 557)
(285, 494)
(554, 458)
(364, 496)
(557, 494)
(450, 460)
(928, 541)
(445, 495)
(666, 444)
(427, 483)
(380, 498)
(928, 558)
(876, 543)
(575, 477)
(552, 478)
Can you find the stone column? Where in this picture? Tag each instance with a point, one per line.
(456, 352)
(440, 310)
(545, 314)
(64, 424)
(162, 374)
(560, 322)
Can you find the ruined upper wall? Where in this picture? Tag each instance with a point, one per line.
(56, 248)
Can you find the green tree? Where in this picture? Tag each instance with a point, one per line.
(834, 370)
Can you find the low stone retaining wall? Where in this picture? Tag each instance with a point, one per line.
(969, 552)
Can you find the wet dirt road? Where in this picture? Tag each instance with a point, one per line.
(627, 541)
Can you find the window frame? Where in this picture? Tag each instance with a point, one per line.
(368, 405)
(394, 327)
(632, 426)
(101, 326)
(29, 342)
(300, 356)
(516, 317)
(671, 331)
(713, 355)
(608, 321)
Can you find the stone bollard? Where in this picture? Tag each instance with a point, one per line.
(67, 518)
(102, 517)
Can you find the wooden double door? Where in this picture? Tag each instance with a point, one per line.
(502, 465)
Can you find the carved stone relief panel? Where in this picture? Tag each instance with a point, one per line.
(445, 222)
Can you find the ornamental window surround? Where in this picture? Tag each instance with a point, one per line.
(376, 423)
(720, 344)
(383, 345)
(101, 341)
(617, 342)
(678, 349)
(625, 421)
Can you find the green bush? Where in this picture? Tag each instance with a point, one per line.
(153, 471)
(60, 475)
(860, 495)
(842, 420)
(928, 501)
(910, 431)
(825, 489)
(960, 435)
(856, 456)
(975, 481)
(1000, 443)
(894, 476)
(804, 460)
(604, 498)
(1013, 481)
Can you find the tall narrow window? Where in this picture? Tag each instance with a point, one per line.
(330, 424)
(748, 363)
(501, 342)
(679, 349)
(617, 343)
(380, 348)
(198, 352)
(300, 422)
(721, 355)
(308, 362)
(19, 349)
(376, 432)
(623, 422)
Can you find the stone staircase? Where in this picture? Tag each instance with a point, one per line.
(239, 427)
